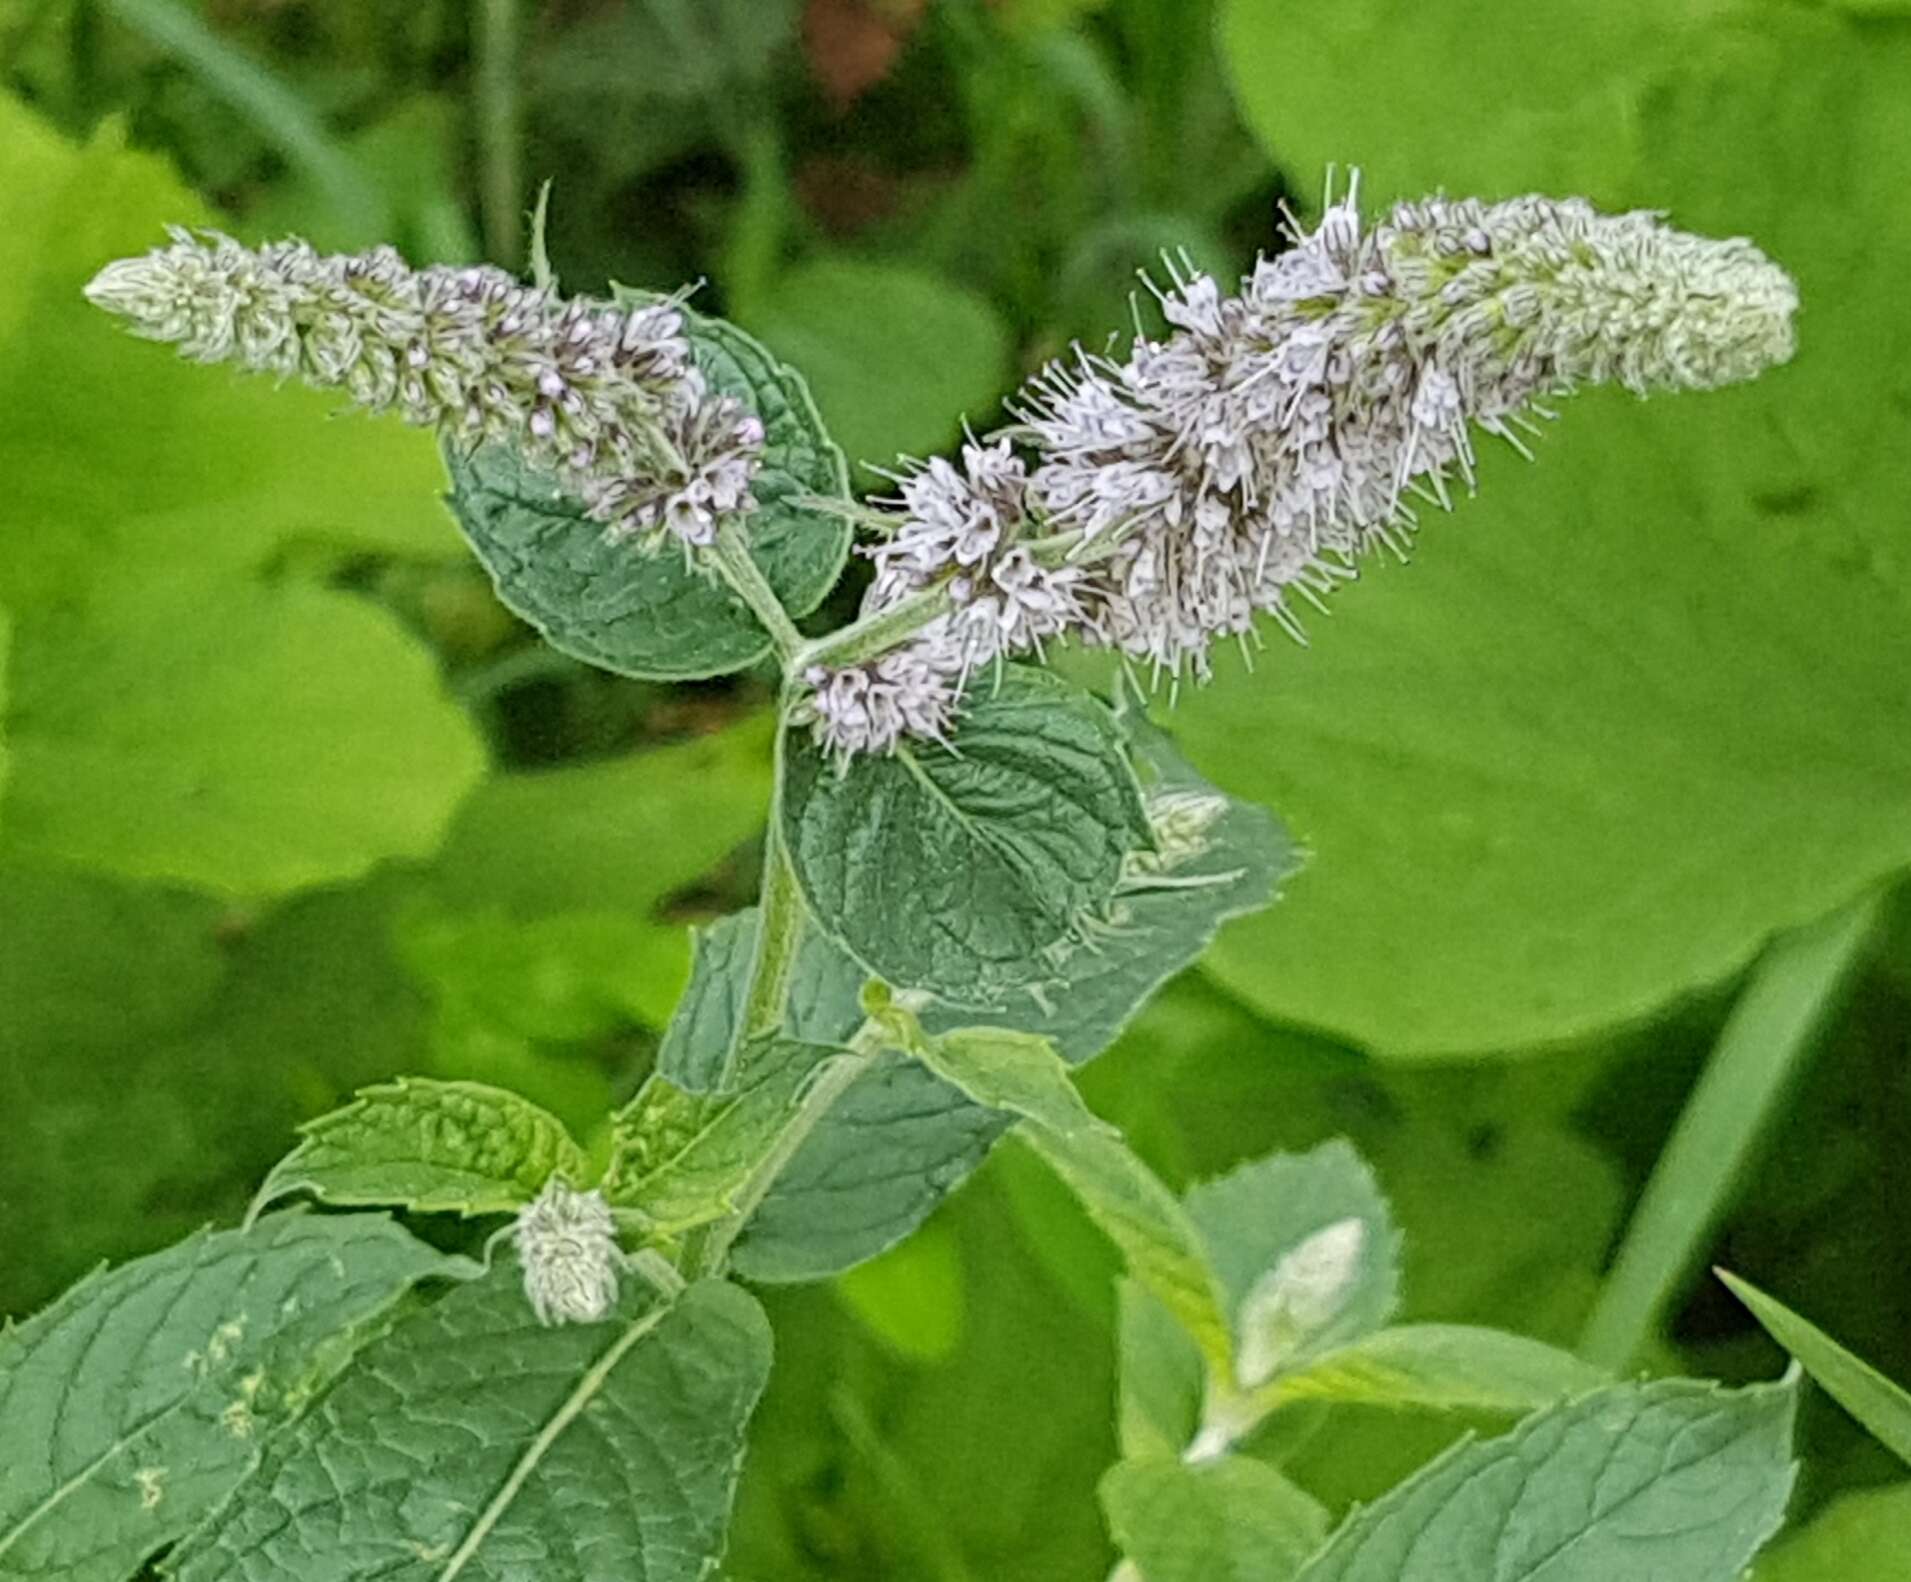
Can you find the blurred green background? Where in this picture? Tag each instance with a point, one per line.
(289, 803)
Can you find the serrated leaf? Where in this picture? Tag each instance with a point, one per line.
(471, 1441)
(131, 1406)
(1675, 1479)
(434, 1147)
(1225, 1520)
(1022, 1075)
(1439, 1367)
(886, 1155)
(973, 870)
(656, 614)
(679, 1158)
(1882, 1406)
(1261, 1213)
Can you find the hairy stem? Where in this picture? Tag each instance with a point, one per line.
(831, 1081)
(779, 935)
(1765, 1041)
(731, 557)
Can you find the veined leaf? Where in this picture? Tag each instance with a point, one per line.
(1226, 1520)
(680, 1158)
(434, 1147)
(1260, 1216)
(473, 1442)
(886, 1155)
(655, 614)
(1021, 1075)
(979, 869)
(131, 1406)
(1675, 1479)
(1882, 1406)
(1441, 1367)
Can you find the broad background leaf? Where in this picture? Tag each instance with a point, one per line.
(143, 640)
(1674, 1479)
(130, 1407)
(581, 1451)
(1540, 769)
(1861, 1537)
(892, 352)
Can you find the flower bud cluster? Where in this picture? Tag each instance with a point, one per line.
(567, 1245)
(1253, 454)
(606, 397)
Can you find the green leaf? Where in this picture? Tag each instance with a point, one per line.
(434, 1147)
(1162, 1381)
(1261, 1222)
(1023, 1076)
(279, 737)
(657, 614)
(680, 1158)
(1675, 1479)
(1882, 1406)
(886, 1155)
(978, 869)
(1860, 1537)
(895, 355)
(1442, 1367)
(6, 637)
(472, 1441)
(1543, 764)
(1225, 1520)
(130, 1407)
(132, 460)
(911, 1296)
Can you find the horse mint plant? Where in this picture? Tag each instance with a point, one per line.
(974, 873)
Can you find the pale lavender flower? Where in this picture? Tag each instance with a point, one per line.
(1257, 450)
(606, 397)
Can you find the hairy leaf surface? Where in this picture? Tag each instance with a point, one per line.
(1674, 1479)
(1226, 1520)
(976, 870)
(435, 1147)
(131, 1406)
(473, 1442)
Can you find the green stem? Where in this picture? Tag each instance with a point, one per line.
(779, 934)
(500, 131)
(875, 634)
(831, 1081)
(1764, 1043)
(731, 556)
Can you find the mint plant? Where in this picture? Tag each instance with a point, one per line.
(975, 872)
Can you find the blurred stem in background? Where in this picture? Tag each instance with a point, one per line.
(1788, 997)
(500, 117)
(256, 93)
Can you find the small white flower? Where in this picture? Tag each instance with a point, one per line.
(1298, 1298)
(567, 1244)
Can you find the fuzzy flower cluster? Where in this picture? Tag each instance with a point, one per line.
(567, 1244)
(606, 397)
(1252, 455)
